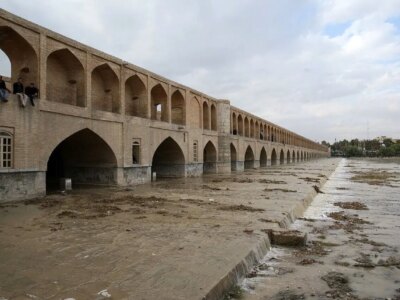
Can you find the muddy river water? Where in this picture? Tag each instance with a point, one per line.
(352, 251)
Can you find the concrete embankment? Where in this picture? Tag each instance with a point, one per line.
(289, 215)
(180, 239)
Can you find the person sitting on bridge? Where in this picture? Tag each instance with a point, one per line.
(18, 89)
(32, 92)
(4, 91)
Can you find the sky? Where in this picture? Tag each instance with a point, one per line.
(326, 69)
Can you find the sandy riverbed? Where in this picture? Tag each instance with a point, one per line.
(167, 240)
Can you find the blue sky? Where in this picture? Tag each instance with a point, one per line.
(323, 68)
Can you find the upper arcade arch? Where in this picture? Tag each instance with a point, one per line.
(105, 89)
(195, 113)
(206, 116)
(65, 78)
(213, 117)
(159, 103)
(22, 56)
(177, 108)
(240, 125)
(135, 97)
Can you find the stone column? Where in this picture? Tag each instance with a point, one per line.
(224, 126)
(42, 67)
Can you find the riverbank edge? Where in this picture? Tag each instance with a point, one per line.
(261, 248)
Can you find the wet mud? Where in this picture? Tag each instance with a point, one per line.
(172, 239)
(353, 247)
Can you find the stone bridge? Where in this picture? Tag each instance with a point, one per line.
(101, 120)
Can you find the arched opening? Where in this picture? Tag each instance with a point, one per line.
(267, 130)
(209, 158)
(251, 128)
(256, 129)
(65, 78)
(21, 57)
(233, 158)
(135, 97)
(85, 158)
(282, 157)
(105, 89)
(274, 158)
(249, 158)
(262, 133)
(246, 127)
(213, 118)
(159, 103)
(298, 156)
(177, 108)
(293, 156)
(206, 116)
(263, 158)
(5, 65)
(288, 157)
(301, 155)
(240, 125)
(234, 124)
(168, 160)
(195, 113)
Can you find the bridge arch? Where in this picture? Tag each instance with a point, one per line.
(23, 57)
(263, 158)
(249, 158)
(233, 157)
(293, 156)
(65, 78)
(85, 158)
(135, 97)
(281, 157)
(177, 108)
(168, 160)
(288, 157)
(209, 158)
(298, 156)
(274, 157)
(105, 89)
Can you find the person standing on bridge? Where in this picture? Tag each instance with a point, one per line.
(32, 92)
(18, 89)
(4, 91)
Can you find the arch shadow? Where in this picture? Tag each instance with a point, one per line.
(85, 158)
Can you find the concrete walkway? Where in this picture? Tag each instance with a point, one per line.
(177, 239)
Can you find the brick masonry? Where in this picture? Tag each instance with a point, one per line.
(93, 107)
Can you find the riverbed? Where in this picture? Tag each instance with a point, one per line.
(353, 243)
